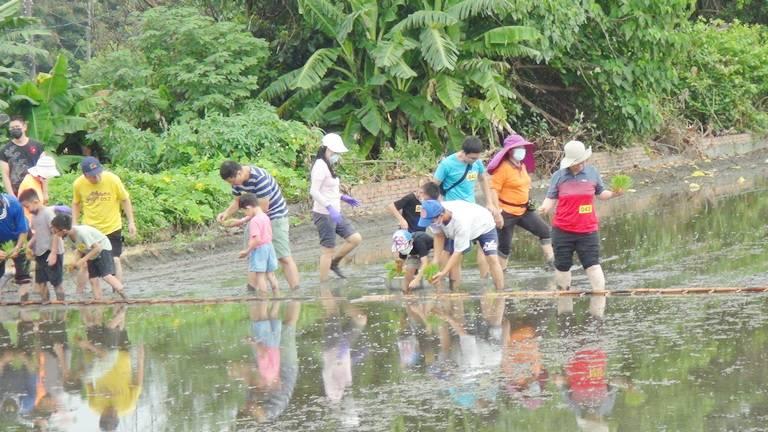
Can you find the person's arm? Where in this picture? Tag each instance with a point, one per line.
(19, 245)
(140, 372)
(253, 242)
(44, 188)
(22, 228)
(230, 210)
(606, 195)
(75, 211)
(489, 197)
(6, 170)
(95, 250)
(128, 210)
(452, 261)
(396, 213)
(439, 245)
(53, 256)
(547, 205)
(317, 177)
(423, 263)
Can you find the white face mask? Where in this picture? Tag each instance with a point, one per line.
(518, 153)
(334, 159)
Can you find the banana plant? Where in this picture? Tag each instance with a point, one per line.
(400, 65)
(51, 107)
(16, 33)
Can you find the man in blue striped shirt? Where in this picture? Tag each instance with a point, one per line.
(251, 179)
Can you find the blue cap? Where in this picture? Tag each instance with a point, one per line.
(430, 209)
(91, 166)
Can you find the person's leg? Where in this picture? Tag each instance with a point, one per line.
(261, 282)
(588, 249)
(505, 238)
(563, 245)
(326, 230)
(533, 223)
(95, 288)
(103, 266)
(116, 240)
(273, 281)
(42, 289)
(488, 245)
(326, 256)
(281, 243)
(115, 283)
(352, 239)
(482, 263)
(251, 281)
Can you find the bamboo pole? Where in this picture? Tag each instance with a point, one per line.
(637, 292)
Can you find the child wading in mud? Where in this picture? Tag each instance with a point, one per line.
(96, 250)
(262, 260)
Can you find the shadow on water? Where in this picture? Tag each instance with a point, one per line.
(487, 364)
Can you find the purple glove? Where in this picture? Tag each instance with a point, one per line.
(351, 201)
(334, 214)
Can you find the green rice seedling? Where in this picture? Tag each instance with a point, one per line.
(621, 183)
(430, 271)
(392, 270)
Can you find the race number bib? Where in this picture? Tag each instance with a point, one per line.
(585, 209)
(418, 208)
(472, 176)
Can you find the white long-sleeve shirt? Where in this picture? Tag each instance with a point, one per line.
(323, 188)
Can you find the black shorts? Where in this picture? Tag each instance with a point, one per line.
(116, 240)
(49, 274)
(565, 243)
(101, 266)
(22, 269)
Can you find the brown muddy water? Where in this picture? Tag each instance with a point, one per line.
(424, 363)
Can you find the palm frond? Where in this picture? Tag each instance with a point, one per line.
(402, 70)
(388, 52)
(280, 86)
(10, 8)
(483, 64)
(449, 91)
(438, 49)
(315, 68)
(470, 8)
(324, 14)
(316, 114)
(423, 18)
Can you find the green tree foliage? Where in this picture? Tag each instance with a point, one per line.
(183, 65)
(16, 33)
(51, 106)
(625, 62)
(724, 82)
(399, 67)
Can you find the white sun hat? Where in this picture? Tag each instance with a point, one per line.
(334, 143)
(575, 153)
(45, 167)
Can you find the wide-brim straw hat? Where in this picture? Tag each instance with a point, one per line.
(511, 142)
(575, 153)
(45, 168)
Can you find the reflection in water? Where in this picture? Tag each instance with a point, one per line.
(271, 375)
(484, 364)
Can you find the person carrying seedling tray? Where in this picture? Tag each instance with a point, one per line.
(572, 192)
(13, 236)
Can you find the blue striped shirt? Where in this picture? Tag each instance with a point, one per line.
(263, 185)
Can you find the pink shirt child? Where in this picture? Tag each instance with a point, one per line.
(260, 227)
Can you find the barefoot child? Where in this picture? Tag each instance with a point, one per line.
(48, 249)
(96, 250)
(262, 261)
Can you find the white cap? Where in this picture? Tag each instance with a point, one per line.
(45, 167)
(334, 143)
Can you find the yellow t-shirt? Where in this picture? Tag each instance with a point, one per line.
(114, 388)
(101, 202)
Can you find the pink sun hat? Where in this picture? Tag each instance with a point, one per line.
(510, 142)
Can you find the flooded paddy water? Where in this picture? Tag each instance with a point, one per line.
(333, 361)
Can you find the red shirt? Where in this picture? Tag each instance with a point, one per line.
(575, 195)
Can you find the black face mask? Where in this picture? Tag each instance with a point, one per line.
(16, 133)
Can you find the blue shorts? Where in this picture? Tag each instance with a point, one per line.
(267, 332)
(262, 259)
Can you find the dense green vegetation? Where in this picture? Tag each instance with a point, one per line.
(166, 90)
